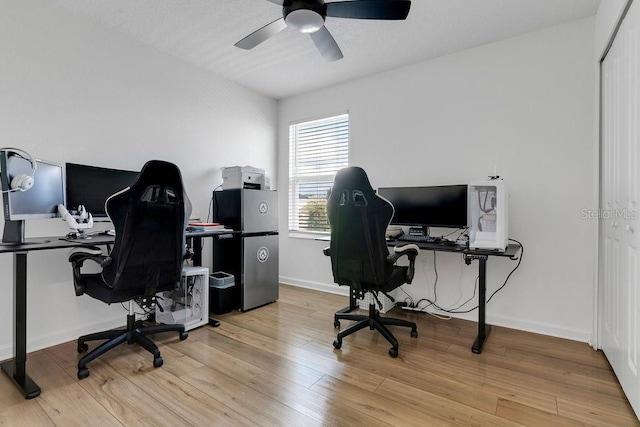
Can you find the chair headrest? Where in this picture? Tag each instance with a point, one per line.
(159, 172)
(352, 178)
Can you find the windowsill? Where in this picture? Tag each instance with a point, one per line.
(309, 236)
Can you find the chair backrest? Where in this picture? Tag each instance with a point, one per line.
(358, 220)
(149, 219)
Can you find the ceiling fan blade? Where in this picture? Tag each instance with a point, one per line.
(280, 2)
(258, 36)
(326, 44)
(370, 9)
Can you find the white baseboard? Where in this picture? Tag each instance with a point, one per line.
(316, 286)
(581, 335)
(542, 328)
(59, 337)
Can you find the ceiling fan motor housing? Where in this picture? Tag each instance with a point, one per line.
(306, 16)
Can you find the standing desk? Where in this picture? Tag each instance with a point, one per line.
(16, 368)
(482, 255)
(469, 255)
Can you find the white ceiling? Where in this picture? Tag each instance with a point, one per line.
(204, 32)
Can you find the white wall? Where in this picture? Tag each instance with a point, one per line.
(609, 13)
(524, 105)
(72, 91)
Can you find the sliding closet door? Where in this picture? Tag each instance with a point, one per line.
(620, 222)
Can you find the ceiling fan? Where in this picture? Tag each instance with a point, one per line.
(308, 16)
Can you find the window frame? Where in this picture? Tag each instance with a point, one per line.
(296, 178)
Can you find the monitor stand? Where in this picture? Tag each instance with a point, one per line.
(13, 234)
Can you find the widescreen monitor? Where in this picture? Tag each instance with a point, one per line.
(91, 186)
(436, 206)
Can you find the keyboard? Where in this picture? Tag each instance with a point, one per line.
(417, 238)
(95, 239)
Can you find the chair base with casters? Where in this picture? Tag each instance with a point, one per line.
(374, 321)
(130, 335)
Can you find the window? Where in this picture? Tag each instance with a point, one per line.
(317, 150)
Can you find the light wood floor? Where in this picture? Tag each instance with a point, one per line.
(276, 366)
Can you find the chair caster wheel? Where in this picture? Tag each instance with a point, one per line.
(82, 347)
(183, 335)
(414, 334)
(157, 362)
(336, 324)
(393, 352)
(337, 344)
(83, 373)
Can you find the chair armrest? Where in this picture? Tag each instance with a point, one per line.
(77, 257)
(86, 252)
(410, 251)
(327, 251)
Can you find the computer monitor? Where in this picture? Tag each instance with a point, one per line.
(436, 206)
(91, 186)
(40, 201)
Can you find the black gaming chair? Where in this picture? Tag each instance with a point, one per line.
(359, 255)
(149, 219)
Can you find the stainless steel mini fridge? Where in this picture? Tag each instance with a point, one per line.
(251, 256)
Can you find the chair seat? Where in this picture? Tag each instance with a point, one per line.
(97, 288)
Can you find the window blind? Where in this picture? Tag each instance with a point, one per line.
(317, 150)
